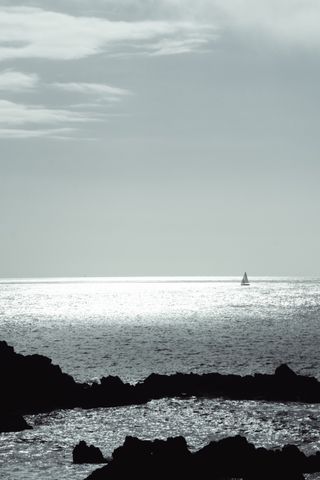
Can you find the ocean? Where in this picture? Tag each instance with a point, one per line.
(138, 326)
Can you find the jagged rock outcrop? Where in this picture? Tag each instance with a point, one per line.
(284, 385)
(145, 460)
(229, 458)
(83, 453)
(12, 423)
(32, 384)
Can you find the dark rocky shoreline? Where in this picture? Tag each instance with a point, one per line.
(229, 458)
(32, 384)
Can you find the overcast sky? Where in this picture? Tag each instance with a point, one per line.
(159, 137)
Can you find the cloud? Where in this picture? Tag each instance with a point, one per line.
(14, 81)
(124, 27)
(30, 121)
(27, 32)
(18, 133)
(285, 22)
(100, 89)
(12, 113)
(165, 47)
(162, 27)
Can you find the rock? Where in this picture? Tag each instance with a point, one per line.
(158, 459)
(13, 423)
(313, 464)
(32, 384)
(229, 458)
(83, 453)
(285, 372)
(295, 458)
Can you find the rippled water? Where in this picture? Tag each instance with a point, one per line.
(130, 329)
(46, 451)
(100, 327)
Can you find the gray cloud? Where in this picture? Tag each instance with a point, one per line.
(284, 21)
(161, 28)
(12, 113)
(100, 89)
(15, 115)
(27, 32)
(13, 81)
(293, 21)
(19, 133)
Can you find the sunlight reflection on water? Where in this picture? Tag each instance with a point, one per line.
(130, 329)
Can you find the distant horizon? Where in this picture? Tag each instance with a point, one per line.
(145, 278)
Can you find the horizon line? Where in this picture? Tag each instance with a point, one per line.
(147, 278)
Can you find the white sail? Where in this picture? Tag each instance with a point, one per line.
(245, 280)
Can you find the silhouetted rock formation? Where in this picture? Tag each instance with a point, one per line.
(12, 423)
(229, 458)
(83, 453)
(284, 385)
(31, 384)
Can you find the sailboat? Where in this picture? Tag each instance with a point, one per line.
(245, 280)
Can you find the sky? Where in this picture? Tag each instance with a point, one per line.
(159, 137)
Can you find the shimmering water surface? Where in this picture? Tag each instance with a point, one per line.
(133, 328)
